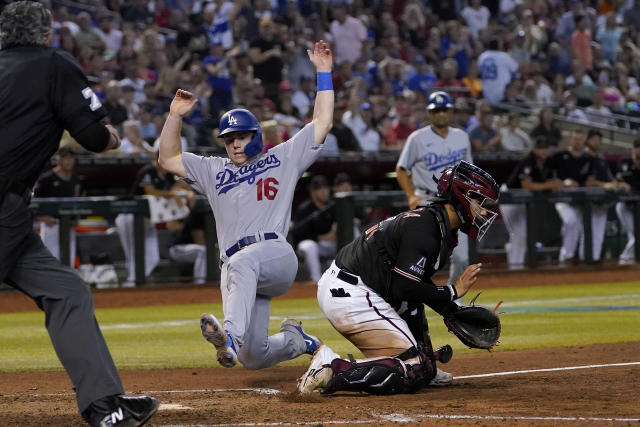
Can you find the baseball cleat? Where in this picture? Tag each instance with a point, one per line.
(213, 332)
(319, 372)
(311, 342)
(442, 379)
(120, 411)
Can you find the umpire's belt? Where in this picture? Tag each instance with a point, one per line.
(249, 240)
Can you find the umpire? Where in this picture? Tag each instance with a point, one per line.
(43, 92)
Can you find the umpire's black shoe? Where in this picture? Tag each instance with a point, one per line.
(120, 411)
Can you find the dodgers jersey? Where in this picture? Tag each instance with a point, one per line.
(426, 154)
(256, 196)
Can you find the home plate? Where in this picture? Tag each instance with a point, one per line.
(172, 407)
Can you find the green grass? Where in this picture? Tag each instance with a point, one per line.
(169, 336)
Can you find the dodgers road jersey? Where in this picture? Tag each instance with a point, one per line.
(426, 154)
(257, 196)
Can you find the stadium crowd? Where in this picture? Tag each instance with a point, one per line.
(579, 58)
(501, 61)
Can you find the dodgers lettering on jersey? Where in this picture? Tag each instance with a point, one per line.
(437, 162)
(228, 179)
(426, 154)
(255, 197)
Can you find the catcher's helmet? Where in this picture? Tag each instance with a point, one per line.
(439, 99)
(238, 120)
(474, 195)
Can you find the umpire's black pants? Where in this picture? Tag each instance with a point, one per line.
(27, 265)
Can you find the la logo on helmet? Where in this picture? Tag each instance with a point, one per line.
(232, 120)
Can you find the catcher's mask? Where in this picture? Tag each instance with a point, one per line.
(238, 120)
(474, 195)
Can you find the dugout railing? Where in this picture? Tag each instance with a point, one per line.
(68, 208)
(346, 204)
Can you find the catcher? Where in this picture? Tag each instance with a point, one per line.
(375, 290)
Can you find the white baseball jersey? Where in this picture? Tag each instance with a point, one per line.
(257, 196)
(426, 154)
(496, 71)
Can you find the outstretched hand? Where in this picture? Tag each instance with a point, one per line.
(321, 56)
(182, 103)
(467, 279)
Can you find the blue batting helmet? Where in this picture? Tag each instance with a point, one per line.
(439, 99)
(238, 120)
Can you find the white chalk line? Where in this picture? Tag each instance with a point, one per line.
(404, 419)
(530, 371)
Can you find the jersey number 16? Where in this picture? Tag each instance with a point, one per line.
(268, 188)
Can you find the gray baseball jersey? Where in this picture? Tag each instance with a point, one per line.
(426, 154)
(257, 196)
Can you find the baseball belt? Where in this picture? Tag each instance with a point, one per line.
(347, 277)
(248, 240)
(15, 187)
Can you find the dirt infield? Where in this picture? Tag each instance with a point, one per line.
(595, 395)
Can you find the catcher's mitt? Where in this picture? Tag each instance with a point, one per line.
(475, 326)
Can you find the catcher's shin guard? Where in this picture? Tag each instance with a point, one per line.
(380, 376)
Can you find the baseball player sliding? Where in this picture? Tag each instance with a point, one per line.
(425, 156)
(250, 194)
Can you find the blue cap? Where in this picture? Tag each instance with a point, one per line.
(365, 106)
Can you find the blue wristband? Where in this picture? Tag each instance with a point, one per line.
(324, 81)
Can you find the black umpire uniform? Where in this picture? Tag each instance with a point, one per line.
(43, 92)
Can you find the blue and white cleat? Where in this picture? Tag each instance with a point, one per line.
(213, 332)
(312, 342)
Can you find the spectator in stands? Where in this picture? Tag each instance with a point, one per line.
(266, 54)
(513, 137)
(472, 80)
(304, 96)
(457, 44)
(348, 34)
(573, 168)
(60, 181)
(148, 128)
(609, 37)
(401, 127)
(270, 134)
(571, 111)
(113, 104)
(559, 60)
(476, 16)
(422, 79)
(128, 102)
(345, 138)
(448, 81)
(597, 112)
(86, 35)
(567, 23)
(612, 97)
(519, 50)
(190, 246)
(218, 19)
(547, 127)
(314, 226)
(462, 116)
(534, 173)
(486, 136)
(359, 117)
(133, 144)
(628, 172)
(581, 42)
(220, 66)
(497, 70)
(111, 36)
